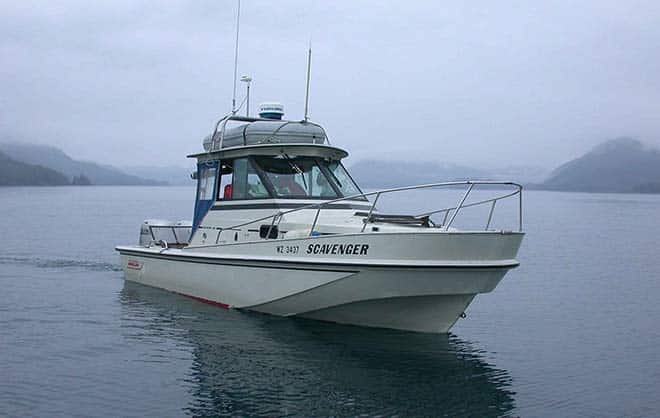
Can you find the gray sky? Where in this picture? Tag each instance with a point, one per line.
(479, 82)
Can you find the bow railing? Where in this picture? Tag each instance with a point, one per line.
(450, 213)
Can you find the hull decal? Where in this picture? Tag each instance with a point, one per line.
(134, 265)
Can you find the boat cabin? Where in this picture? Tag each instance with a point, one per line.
(263, 166)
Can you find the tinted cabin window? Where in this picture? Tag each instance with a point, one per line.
(342, 180)
(246, 182)
(299, 177)
(226, 180)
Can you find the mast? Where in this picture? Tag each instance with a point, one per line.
(309, 66)
(238, 21)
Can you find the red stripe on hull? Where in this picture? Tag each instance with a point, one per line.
(210, 302)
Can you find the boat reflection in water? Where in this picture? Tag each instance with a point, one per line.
(253, 364)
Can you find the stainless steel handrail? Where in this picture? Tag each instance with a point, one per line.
(223, 120)
(460, 205)
(481, 202)
(277, 217)
(173, 228)
(447, 211)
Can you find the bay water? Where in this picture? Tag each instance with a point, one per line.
(574, 331)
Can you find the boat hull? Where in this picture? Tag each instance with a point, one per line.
(416, 295)
(435, 313)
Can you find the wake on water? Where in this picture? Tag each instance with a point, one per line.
(60, 263)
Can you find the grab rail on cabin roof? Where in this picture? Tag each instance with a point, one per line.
(454, 210)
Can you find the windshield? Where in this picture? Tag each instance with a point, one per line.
(344, 182)
(300, 177)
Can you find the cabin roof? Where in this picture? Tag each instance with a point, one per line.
(311, 150)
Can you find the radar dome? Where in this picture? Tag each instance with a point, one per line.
(271, 110)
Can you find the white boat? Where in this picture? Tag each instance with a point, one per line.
(280, 227)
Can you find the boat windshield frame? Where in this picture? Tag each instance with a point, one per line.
(294, 162)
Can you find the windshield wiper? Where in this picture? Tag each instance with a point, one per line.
(297, 169)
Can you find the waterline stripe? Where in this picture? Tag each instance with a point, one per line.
(203, 300)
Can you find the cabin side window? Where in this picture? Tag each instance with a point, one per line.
(247, 184)
(205, 183)
(239, 180)
(226, 180)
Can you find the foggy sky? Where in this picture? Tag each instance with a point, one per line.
(480, 82)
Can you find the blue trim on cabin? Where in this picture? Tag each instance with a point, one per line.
(202, 205)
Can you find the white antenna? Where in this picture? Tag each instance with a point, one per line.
(247, 80)
(309, 66)
(238, 21)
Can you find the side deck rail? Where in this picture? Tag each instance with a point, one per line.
(172, 235)
(450, 213)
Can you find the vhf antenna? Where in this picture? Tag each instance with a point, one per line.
(238, 21)
(309, 66)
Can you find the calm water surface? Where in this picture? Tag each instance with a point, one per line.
(574, 331)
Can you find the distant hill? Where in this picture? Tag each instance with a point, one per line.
(55, 159)
(378, 174)
(16, 173)
(172, 175)
(619, 165)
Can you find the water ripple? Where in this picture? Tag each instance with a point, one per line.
(60, 263)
